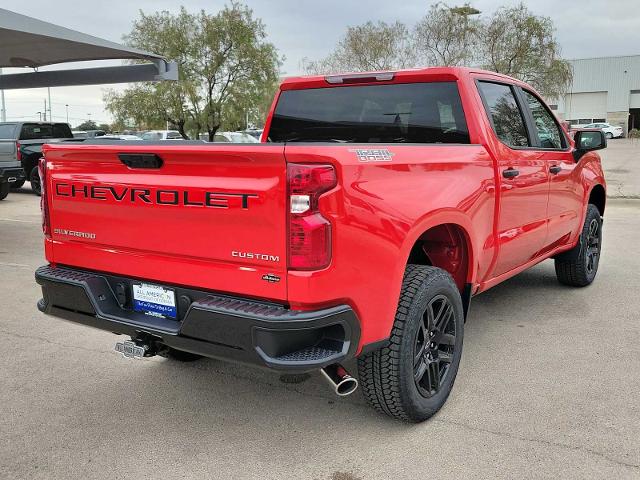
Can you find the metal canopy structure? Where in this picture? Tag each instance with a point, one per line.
(32, 43)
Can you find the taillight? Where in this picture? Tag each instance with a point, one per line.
(44, 202)
(309, 231)
(18, 152)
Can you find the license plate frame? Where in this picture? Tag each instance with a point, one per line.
(155, 300)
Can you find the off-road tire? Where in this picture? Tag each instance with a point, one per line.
(573, 266)
(18, 183)
(4, 190)
(387, 375)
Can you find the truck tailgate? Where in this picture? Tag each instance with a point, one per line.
(207, 215)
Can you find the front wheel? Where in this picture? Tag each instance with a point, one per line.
(411, 377)
(578, 266)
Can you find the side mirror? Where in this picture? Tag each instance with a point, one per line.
(587, 141)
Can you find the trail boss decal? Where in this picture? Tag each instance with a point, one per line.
(373, 154)
(155, 196)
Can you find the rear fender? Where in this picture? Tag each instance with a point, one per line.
(441, 217)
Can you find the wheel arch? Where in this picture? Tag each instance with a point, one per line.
(598, 197)
(444, 241)
(30, 161)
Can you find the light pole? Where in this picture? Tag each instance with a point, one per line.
(40, 116)
(67, 107)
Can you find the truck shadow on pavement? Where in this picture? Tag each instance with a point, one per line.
(211, 408)
(210, 391)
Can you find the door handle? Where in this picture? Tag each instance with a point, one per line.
(555, 169)
(510, 173)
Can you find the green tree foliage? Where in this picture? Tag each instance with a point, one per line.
(87, 125)
(226, 68)
(512, 41)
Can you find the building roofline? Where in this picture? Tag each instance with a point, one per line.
(603, 58)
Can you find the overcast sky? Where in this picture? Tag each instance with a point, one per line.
(310, 28)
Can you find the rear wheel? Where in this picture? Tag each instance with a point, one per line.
(609, 135)
(578, 266)
(412, 376)
(18, 183)
(34, 179)
(4, 190)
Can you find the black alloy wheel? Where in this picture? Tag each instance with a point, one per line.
(592, 245)
(434, 346)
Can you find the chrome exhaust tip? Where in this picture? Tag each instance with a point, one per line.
(343, 384)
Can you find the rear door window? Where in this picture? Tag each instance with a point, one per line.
(399, 113)
(505, 115)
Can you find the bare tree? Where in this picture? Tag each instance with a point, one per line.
(372, 46)
(517, 43)
(513, 41)
(448, 36)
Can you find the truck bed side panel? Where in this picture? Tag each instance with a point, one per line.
(378, 211)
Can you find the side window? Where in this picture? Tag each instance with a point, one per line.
(549, 131)
(505, 114)
(6, 131)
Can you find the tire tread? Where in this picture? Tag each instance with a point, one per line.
(379, 371)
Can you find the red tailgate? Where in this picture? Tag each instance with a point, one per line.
(211, 216)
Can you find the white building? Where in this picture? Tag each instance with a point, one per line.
(604, 90)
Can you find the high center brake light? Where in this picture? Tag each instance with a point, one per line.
(309, 231)
(44, 202)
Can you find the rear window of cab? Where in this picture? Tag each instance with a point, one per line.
(393, 113)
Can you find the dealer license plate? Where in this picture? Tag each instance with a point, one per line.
(154, 300)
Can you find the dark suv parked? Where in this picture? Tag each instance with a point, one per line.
(21, 146)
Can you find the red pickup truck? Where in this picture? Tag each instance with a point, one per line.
(372, 211)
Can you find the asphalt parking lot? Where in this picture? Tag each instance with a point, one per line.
(548, 388)
(621, 161)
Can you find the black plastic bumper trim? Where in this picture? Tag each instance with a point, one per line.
(213, 325)
(11, 172)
